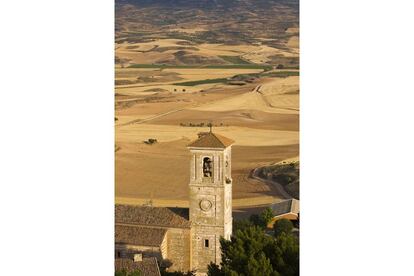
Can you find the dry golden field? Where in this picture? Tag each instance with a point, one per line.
(263, 121)
(170, 79)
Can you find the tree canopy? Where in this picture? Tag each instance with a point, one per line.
(252, 252)
(282, 226)
(263, 219)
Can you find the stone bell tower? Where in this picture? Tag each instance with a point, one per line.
(210, 197)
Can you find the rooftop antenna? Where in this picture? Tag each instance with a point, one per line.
(211, 126)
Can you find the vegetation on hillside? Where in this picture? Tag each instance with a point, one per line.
(228, 20)
(285, 174)
(241, 77)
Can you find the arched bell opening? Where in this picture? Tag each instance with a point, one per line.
(207, 167)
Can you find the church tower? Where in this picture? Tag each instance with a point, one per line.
(210, 197)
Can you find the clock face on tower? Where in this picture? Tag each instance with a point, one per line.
(205, 204)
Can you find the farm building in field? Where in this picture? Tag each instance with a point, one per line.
(287, 209)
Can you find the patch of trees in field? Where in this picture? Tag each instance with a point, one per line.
(201, 125)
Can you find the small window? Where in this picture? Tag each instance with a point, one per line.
(119, 254)
(206, 243)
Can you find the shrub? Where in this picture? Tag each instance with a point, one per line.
(266, 216)
(151, 141)
(282, 226)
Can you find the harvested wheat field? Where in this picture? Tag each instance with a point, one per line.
(159, 172)
(173, 78)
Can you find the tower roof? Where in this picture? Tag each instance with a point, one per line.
(211, 140)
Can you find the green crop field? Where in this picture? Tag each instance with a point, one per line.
(219, 66)
(166, 66)
(282, 74)
(193, 83)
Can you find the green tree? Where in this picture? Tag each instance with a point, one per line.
(255, 220)
(243, 254)
(263, 219)
(252, 252)
(266, 216)
(260, 266)
(282, 226)
(283, 253)
(241, 224)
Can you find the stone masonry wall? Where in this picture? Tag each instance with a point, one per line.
(179, 249)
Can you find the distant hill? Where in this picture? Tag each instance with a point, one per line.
(207, 3)
(219, 21)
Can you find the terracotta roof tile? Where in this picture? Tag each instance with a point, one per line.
(152, 216)
(148, 266)
(211, 140)
(136, 235)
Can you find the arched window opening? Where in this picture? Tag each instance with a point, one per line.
(207, 167)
